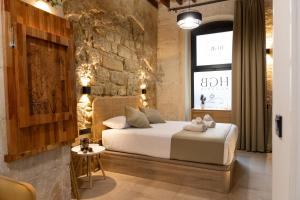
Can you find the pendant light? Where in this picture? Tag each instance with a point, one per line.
(189, 19)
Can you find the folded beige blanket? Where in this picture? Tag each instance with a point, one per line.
(209, 121)
(195, 127)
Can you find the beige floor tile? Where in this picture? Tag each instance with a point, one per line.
(252, 181)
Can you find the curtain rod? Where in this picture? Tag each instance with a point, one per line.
(195, 5)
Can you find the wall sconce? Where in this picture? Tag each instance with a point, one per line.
(144, 97)
(268, 51)
(86, 90)
(85, 131)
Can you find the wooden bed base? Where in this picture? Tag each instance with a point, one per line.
(203, 176)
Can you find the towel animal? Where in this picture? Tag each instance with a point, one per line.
(198, 120)
(195, 127)
(209, 121)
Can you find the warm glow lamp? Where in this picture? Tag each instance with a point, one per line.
(189, 19)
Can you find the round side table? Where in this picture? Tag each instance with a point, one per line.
(97, 150)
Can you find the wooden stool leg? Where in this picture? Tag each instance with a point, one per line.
(79, 162)
(89, 170)
(87, 167)
(93, 162)
(74, 181)
(100, 165)
(80, 165)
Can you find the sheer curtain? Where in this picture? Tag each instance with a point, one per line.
(248, 72)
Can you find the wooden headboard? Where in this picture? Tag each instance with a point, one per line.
(108, 107)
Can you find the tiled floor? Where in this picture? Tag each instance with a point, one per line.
(252, 182)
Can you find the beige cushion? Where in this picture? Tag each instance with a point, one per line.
(136, 118)
(152, 115)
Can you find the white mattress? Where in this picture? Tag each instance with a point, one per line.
(156, 141)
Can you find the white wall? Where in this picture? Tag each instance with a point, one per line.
(297, 141)
(286, 98)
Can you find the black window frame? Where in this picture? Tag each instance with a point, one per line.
(208, 28)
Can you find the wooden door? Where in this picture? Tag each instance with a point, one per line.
(40, 85)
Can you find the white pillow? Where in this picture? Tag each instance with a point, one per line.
(118, 122)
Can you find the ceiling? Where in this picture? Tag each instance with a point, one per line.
(181, 3)
(167, 2)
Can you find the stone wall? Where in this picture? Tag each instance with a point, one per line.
(48, 172)
(116, 45)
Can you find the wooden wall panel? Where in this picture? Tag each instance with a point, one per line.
(39, 81)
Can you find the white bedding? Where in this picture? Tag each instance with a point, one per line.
(156, 141)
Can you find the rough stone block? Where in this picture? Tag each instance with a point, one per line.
(119, 78)
(93, 56)
(122, 91)
(125, 52)
(101, 43)
(110, 37)
(113, 63)
(101, 75)
(114, 48)
(133, 84)
(114, 90)
(129, 44)
(117, 38)
(107, 89)
(131, 65)
(98, 90)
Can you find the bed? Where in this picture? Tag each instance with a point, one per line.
(164, 151)
(163, 141)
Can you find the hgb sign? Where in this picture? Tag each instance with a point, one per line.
(215, 86)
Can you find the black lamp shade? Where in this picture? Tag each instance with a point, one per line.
(86, 90)
(144, 91)
(85, 131)
(189, 19)
(194, 14)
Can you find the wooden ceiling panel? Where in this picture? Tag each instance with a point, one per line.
(154, 3)
(166, 3)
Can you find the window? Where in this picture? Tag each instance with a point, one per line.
(211, 65)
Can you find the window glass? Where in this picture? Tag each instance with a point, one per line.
(211, 66)
(214, 49)
(215, 86)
